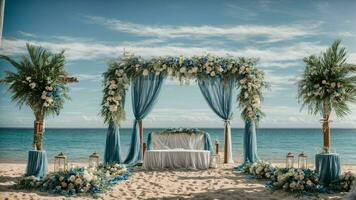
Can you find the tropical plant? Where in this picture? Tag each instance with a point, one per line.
(328, 85)
(40, 83)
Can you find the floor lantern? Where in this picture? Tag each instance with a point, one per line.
(93, 160)
(302, 161)
(60, 162)
(289, 160)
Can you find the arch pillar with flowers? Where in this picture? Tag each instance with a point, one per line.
(217, 78)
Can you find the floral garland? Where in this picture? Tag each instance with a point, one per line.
(76, 181)
(297, 181)
(121, 72)
(182, 130)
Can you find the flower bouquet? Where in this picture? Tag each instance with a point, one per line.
(77, 180)
(343, 183)
(299, 181)
(259, 170)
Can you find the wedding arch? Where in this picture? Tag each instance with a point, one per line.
(217, 78)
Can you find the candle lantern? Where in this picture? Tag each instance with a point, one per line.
(60, 162)
(302, 161)
(213, 161)
(93, 160)
(289, 160)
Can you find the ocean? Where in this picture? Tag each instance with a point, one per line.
(273, 144)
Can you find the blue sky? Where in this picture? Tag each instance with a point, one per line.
(279, 33)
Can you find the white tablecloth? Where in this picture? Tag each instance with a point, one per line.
(176, 159)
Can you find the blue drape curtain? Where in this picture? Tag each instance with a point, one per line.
(37, 164)
(250, 143)
(218, 95)
(144, 93)
(112, 146)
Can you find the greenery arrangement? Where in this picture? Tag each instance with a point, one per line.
(182, 130)
(77, 181)
(296, 181)
(40, 82)
(122, 71)
(328, 84)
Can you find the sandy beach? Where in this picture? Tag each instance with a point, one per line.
(220, 183)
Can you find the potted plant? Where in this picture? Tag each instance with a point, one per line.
(40, 82)
(327, 86)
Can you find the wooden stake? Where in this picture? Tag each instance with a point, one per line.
(225, 143)
(140, 124)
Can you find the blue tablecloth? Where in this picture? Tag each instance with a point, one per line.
(328, 166)
(37, 164)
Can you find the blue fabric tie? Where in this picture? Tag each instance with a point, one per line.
(37, 164)
(144, 93)
(112, 146)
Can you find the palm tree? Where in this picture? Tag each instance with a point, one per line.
(328, 85)
(40, 83)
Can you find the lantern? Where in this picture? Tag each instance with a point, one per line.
(302, 161)
(289, 160)
(93, 160)
(213, 161)
(60, 162)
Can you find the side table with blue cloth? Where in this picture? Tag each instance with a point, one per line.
(37, 164)
(328, 166)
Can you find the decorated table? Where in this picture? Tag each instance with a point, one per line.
(176, 159)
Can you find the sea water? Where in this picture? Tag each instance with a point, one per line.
(273, 144)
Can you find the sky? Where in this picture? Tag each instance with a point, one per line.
(279, 33)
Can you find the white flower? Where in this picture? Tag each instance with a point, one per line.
(118, 98)
(157, 73)
(113, 108)
(145, 72)
(61, 178)
(195, 69)
(49, 88)
(72, 178)
(32, 85)
(49, 100)
(170, 71)
(212, 74)
(111, 92)
(323, 81)
(243, 81)
(182, 70)
(333, 84)
(28, 78)
(113, 82)
(309, 183)
(246, 95)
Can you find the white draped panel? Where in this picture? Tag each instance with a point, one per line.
(176, 159)
(178, 141)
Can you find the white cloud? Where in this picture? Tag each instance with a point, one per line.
(271, 33)
(89, 50)
(89, 77)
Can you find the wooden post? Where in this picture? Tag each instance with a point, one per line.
(326, 127)
(2, 9)
(217, 147)
(144, 149)
(225, 143)
(140, 124)
(37, 135)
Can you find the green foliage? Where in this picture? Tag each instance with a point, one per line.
(328, 82)
(121, 72)
(36, 81)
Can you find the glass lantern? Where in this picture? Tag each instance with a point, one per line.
(302, 161)
(289, 160)
(60, 162)
(213, 161)
(93, 160)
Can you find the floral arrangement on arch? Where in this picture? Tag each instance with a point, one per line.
(77, 181)
(121, 72)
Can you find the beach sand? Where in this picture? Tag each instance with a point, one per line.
(220, 183)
